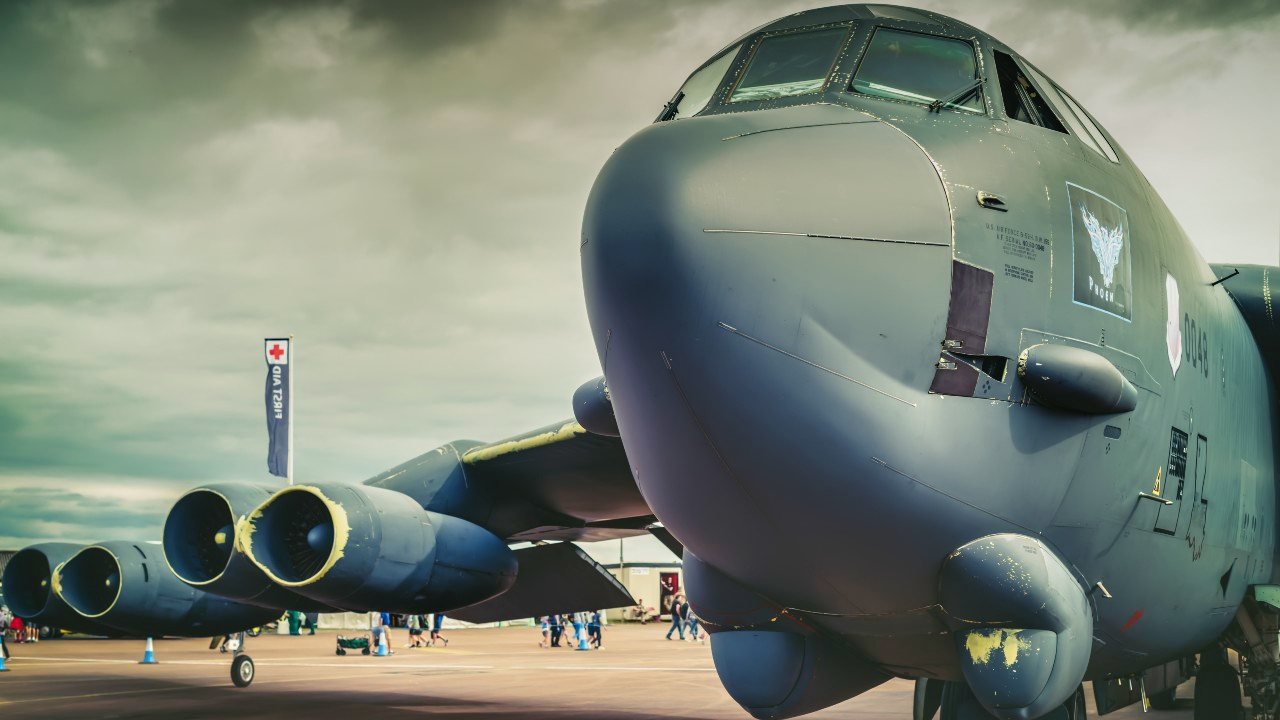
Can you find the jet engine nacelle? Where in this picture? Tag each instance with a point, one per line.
(129, 587)
(29, 593)
(368, 548)
(200, 544)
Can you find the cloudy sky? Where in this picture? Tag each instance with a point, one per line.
(400, 184)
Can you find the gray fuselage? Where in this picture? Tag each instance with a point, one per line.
(772, 286)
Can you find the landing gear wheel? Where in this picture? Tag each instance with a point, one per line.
(1217, 689)
(242, 671)
(1164, 700)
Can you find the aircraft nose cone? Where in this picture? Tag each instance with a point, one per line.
(765, 281)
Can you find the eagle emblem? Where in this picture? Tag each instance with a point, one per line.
(1107, 244)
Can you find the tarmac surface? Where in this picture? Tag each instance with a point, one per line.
(483, 673)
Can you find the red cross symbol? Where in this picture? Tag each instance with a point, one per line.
(275, 352)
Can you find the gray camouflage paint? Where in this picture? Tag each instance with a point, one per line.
(770, 356)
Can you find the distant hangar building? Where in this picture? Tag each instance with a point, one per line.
(651, 583)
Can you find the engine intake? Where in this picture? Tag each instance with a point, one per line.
(120, 586)
(368, 548)
(29, 590)
(202, 547)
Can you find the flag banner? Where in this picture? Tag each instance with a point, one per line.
(277, 354)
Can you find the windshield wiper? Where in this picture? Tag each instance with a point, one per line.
(955, 97)
(671, 108)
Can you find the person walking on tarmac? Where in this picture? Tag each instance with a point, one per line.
(595, 630)
(437, 623)
(414, 622)
(693, 627)
(679, 616)
(380, 630)
(557, 628)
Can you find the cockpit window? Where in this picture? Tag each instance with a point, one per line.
(893, 12)
(698, 89)
(919, 68)
(1081, 124)
(791, 64)
(1070, 114)
(1022, 102)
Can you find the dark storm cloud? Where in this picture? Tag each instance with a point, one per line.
(401, 184)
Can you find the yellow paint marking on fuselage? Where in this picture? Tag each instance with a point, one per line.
(489, 452)
(984, 644)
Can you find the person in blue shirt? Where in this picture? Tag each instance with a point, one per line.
(378, 630)
(544, 624)
(436, 624)
(595, 630)
(693, 626)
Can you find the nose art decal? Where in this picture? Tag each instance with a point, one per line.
(1100, 241)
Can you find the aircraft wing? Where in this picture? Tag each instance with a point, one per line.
(559, 482)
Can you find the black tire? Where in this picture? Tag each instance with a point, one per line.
(340, 651)
(365, 651)
(1218, 694)
(242, 671)
(1164, 700)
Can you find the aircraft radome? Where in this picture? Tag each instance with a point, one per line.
(910, 358)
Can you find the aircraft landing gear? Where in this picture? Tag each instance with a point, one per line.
(954, 701)
(242, 671)
(1217, 688)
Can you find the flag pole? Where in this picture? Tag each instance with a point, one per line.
(293, 367)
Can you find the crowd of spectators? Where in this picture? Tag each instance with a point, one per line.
(15, 629)
(582, 626)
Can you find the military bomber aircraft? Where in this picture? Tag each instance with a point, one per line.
(906, 354)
